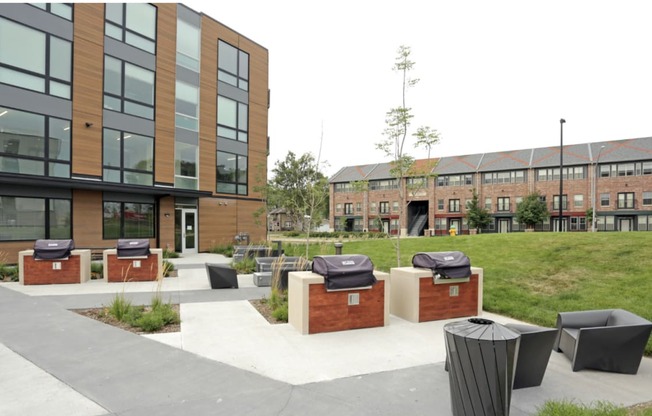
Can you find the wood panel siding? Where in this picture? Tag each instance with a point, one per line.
(87, 103)
(208, 105)
(252, 219)
(217, 223)
(166, 55)
(87, 219)
(166, 224)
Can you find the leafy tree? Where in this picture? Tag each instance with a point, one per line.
(300, 188)
(532, 210)
(476, 215)
(398, 120)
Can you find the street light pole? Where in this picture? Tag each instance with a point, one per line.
(595, 189)
(561, 170)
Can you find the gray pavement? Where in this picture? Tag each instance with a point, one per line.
(227, 360)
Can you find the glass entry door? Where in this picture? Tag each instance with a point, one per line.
(189, 231)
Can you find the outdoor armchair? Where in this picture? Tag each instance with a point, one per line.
(533, 353)
(609, 340)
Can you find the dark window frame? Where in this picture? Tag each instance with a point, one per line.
(47, 213)
(123, 137)
(123, 27)
(236, 183)
(122, 98)
(122, 217)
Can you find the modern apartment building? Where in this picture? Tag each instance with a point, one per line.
(615, 177)
(129, 120)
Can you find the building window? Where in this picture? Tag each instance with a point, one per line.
(186, 165)
(604, 200)
(34, 144)
(384, 207)
(232, 119)
(128, 158)
(133, 24)
(578, 201)
(644, 223)
(343, 187)
(188, 41)
(440, 204)
(34, 218)
(358, 207)
(128, 88)
(515, 176)
(647, 198)
(348, 208)
(231, 173)
(187, 106)
(503, 204)
(487, 203)
(233, 66)
(338, 207)
(60, 9)
(128, 220)
(555, 202)
(395, 206)
(440, 224)
(625, 169)
(39, 61)
(383, 185)
(578, 223)
(453, 205)
(454, 180)
(626, 200)
(373, 207)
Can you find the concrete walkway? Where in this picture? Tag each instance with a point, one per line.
(227, 360)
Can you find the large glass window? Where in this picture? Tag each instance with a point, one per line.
(555, 202)
(231, 173)
(187, 106)
(34, 144)
(60, 9)
(453, 205)
(626, 200)
(34, 218)
(233, 66)
(128, 88)
(128, 158)
(605, 200)
(232, 119)
(40, 62)
(132, 23)
(188, 41)
(128, 220)
(503, 204)
(186, 165)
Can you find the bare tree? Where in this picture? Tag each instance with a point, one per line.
(398, 120)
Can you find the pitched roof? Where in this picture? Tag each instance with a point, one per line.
(575, 154)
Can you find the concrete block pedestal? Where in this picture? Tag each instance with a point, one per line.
(133, 269)
(417, 298)
(313, 309)
(75, 269)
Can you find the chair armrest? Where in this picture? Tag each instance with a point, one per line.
(580, 319)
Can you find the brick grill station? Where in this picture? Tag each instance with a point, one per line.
(416, 298)
(75, 269)
(313, 309)
(133, 269)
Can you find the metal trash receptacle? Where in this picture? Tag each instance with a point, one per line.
(481, 359)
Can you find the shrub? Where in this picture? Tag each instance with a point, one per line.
(226, 250)
(150, 322)
(167, 254)
(167, 268)
(97, 270)
(245, 266)
(120, 307)
(281, 313)
(567, 408)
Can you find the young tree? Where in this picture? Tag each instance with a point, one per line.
(397, 122)
(477, 216)
(532, 210)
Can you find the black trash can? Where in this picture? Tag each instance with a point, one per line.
(481, 359)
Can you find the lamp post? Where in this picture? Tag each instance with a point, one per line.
(595, 190)
(561, 169)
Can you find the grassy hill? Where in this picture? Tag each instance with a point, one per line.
(532, 276)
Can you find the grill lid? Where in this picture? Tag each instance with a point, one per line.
(444, 264)
(53, 249)
(344, 271)
(132, 248)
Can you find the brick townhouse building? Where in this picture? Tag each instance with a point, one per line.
(128, 120)
(615, 177)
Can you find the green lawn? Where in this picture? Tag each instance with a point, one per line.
(532, 276)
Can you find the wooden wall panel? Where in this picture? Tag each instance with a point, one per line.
(258, 71)
(208, 105)
(9, 250)
(252, 219)
(166, 56)
(88, 63)
(87, 218)
(217, 222)
(166, 224)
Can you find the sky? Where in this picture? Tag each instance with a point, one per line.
(493, 75)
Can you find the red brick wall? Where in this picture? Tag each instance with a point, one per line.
(40, 272)
(330, 311)
(120, 270)
(436, 303)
